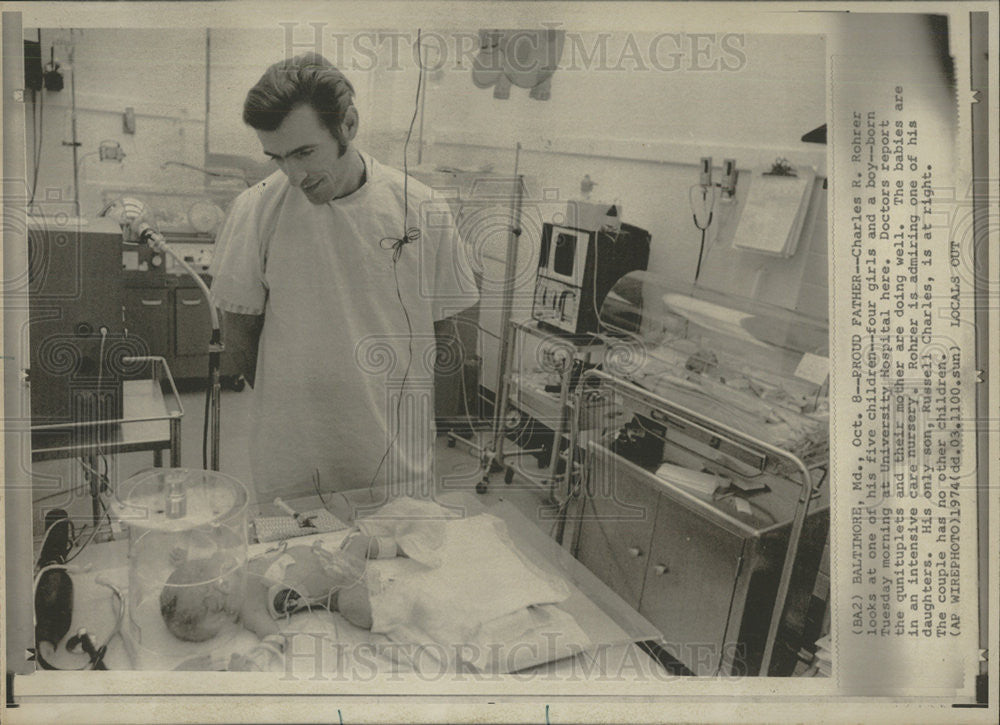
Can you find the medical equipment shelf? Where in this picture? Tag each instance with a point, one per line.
(563, 356)
(150, 422)
(141, 427)
(732, 571)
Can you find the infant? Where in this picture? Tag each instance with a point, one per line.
(202, 595)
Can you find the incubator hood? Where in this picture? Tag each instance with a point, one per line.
(749, 365)
(187, 563)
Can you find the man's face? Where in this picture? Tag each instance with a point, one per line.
(310, 156)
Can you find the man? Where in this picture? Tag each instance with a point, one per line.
(330, 306)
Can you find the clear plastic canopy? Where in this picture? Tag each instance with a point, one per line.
(187, 562)
(753, 366)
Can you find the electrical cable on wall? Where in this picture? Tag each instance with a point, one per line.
(37, 126)
(614, 243)
(409, 235)
(74, 144)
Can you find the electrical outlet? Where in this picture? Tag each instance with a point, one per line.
(705, 178)
(111, 151)
(728, 178)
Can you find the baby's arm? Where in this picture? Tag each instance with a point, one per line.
(253, 612)
(350, 598)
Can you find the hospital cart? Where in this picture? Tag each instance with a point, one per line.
(151, 421)
(539, 382)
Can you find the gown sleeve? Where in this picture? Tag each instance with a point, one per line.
(238, 282)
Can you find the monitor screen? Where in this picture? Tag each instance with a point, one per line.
(565, 254)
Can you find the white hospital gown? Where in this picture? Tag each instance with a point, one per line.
(334, 349)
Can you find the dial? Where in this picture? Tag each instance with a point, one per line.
(204, 216)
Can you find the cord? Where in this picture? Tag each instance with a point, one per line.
(208, 172)
(315, 481)
(103, 482)
(69, 540)
(519, 434)
(330, 558)
(703, 228)
(37, 127)
(826, 470)
(100, 379)
(96, 654)
(76, 491)
(37, 134)
(597, 242)
(461, 377)
(562, 508)
(409, 236)
(93, 534)
(204, 427)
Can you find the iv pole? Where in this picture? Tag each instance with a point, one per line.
(214, 402)
(155, 240)
(489, 454)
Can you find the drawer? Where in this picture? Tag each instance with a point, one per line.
(616, 532)
(147, 316)
(194, 324)
(689, 589)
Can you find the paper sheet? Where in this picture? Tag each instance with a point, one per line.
(773, 213)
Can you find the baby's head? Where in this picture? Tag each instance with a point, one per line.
(197, 602)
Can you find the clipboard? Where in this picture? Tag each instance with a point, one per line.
(774, 210)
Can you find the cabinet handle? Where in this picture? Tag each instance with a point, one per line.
(151, 303)
(634, 552)
(660, 569)
(191, 303)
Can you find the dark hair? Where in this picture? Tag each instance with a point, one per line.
(305, 79)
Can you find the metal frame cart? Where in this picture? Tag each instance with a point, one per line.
(149, 423)
(561, 356)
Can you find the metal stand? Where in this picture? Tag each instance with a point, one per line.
(213, 401)
(491, 454)
(89, 439)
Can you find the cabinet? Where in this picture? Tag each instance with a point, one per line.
(168, 315)
(705, 573)
(693, 570)
(193, 324)
(616, 538)
(725, 391)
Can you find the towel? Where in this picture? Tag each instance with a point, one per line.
(482, 603)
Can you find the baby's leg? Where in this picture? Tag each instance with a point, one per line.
(354, 604)
(364, 546)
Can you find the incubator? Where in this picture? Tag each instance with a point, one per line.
(757, 368)
(187, 563)
(702, 502)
